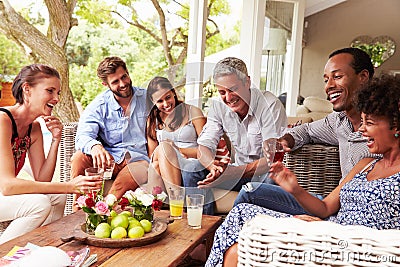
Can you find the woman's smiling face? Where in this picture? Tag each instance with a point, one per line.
(376, 129)
(164, 100)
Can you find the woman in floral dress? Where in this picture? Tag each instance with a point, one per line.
(368, 196)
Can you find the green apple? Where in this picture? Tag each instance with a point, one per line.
(119, 221)
(133, 223)
(113, 213)
(118, 233)
(136, 232)
(103, 230)
(146, 224)
(127, 213)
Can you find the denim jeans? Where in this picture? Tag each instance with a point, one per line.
(190, 180)
(272, 197)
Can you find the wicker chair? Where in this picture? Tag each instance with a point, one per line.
(268, 241)
(316, 166)
(66, 149)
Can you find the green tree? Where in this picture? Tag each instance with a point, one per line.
(173, 39)
(12, 58)
(47, 48)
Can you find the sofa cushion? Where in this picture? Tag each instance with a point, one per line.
(316, 104)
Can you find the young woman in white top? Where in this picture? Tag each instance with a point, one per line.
(172, 130)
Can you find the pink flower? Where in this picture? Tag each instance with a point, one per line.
(157, 190)
(102, 208)
(81, 201)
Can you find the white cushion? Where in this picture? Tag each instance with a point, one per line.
(316, 104)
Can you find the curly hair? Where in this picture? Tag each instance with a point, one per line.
(381, 97)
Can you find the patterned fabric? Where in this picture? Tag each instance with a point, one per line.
(20, 145)
(375, 204)
(335, 129)
(228, 232)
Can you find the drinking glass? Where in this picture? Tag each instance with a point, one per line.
(95, 171)
(176, 196)
(273, 150)
(108, 170)
(194, 205)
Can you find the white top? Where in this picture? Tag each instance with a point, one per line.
(266, 119)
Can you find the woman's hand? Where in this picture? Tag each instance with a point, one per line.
(54, 125)
(307, 218)
(284, 177)
(84, 184)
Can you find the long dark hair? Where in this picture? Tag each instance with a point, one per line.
(157, 84)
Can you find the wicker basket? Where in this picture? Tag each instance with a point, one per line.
(317, 167)
(269, 241)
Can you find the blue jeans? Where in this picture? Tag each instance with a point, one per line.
(190, 180)
(272, 197)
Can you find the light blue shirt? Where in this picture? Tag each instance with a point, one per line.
(103, 122)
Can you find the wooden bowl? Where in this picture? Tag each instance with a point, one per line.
(159, 228)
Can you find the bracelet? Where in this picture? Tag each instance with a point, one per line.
(55, 140)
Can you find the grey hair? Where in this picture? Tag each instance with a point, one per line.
(231, 65)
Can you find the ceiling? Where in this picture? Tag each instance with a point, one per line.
(315, 6)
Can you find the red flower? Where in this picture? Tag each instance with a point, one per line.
(124, 202)
(157, 204)
(90, 202)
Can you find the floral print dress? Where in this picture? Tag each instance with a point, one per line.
(20, 145)
(375, 204)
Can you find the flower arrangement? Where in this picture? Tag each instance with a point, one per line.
(97, 208)
(143, 202)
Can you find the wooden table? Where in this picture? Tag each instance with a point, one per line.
(177, 243)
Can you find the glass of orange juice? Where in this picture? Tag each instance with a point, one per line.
(176, 196)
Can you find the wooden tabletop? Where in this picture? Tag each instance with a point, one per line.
(177, 243)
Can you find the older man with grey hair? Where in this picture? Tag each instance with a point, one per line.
(248, 117)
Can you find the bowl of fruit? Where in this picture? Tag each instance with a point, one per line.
(121, 230)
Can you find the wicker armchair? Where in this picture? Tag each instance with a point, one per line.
(66, 149)
(316, 166)
(268, 241)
